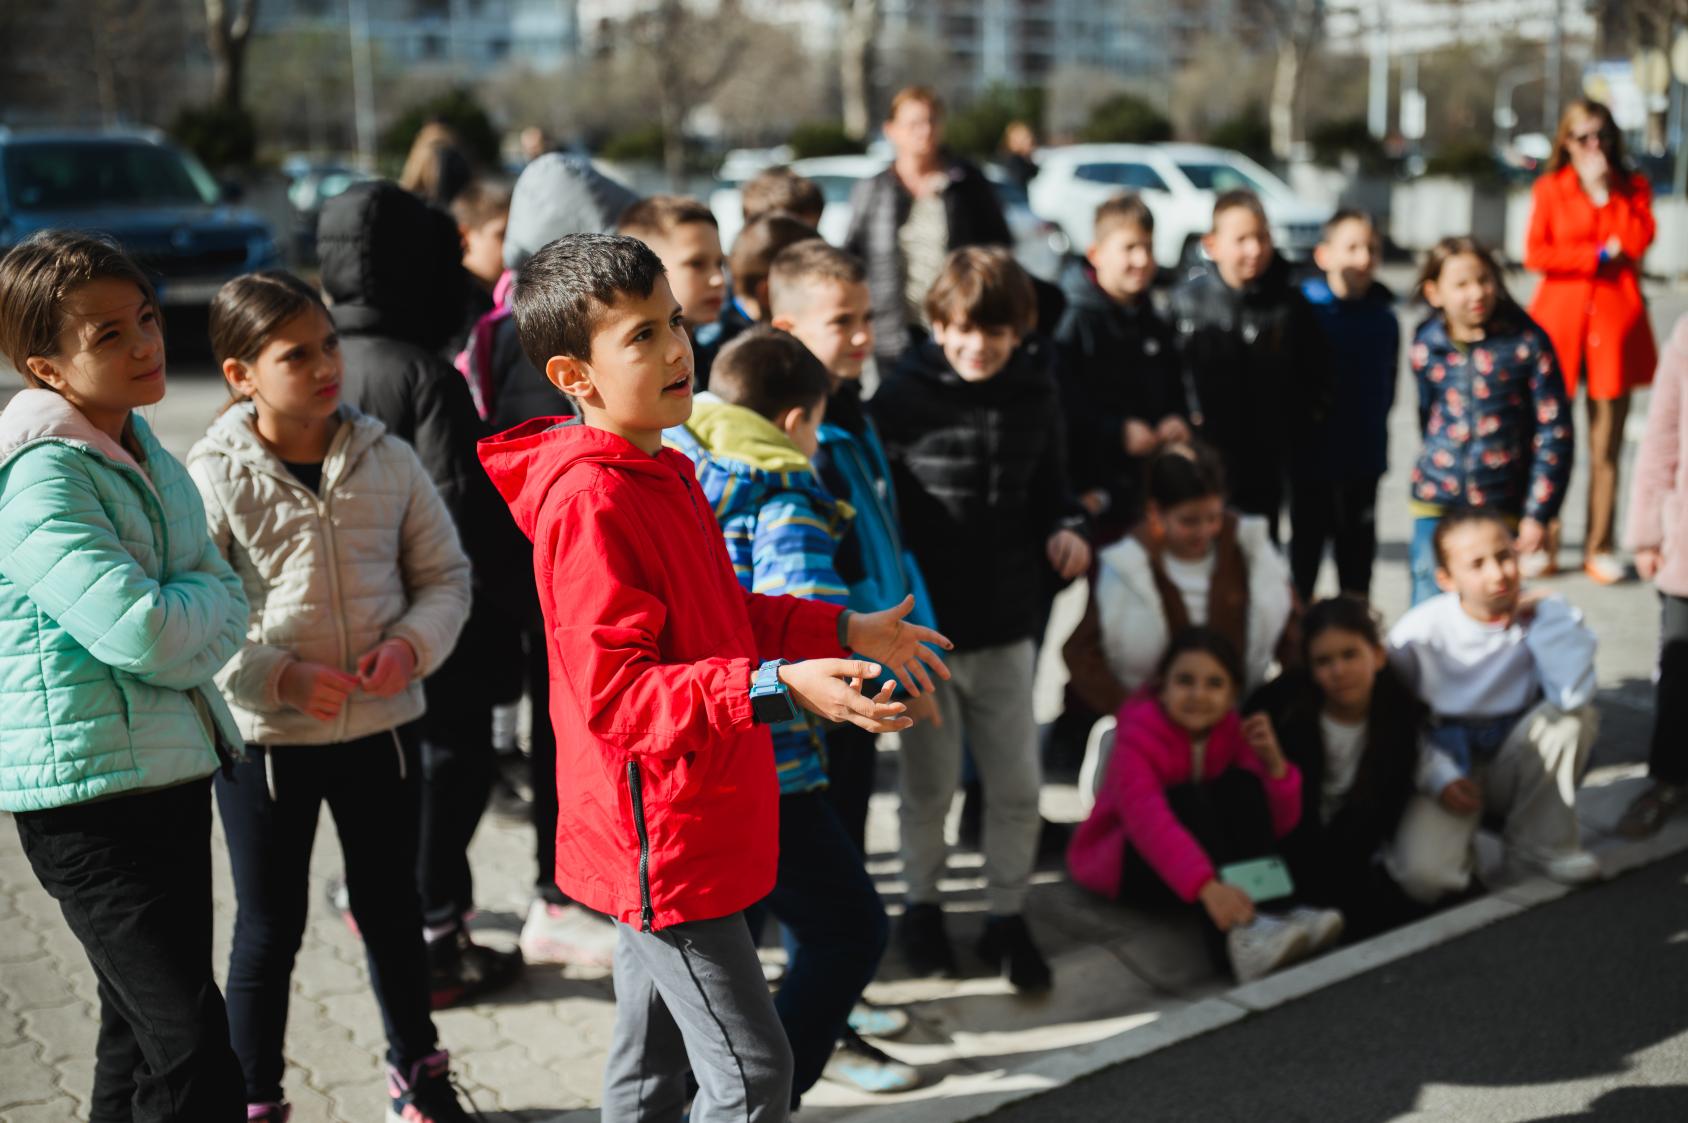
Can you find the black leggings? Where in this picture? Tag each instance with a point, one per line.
(1230, 821)
(1668, 760)
(369, 787)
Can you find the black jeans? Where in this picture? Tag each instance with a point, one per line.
(852, 760)
(458, 766)
(542, 770)
(1668, 761)
(370, 790)
(1229, 819)
(1343, 514)
(837, 928)
(133, 878)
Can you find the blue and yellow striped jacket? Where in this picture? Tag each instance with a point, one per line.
(782, 531)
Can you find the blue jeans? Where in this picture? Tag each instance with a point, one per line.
(836, 922)
(1421, 556)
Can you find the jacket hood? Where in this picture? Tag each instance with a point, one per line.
(1278, 277)
(235, 434)
(1082, 293)
(560, 193)
(1508, 320)
(392, 265)
(524, 462)
(36, 414)
(735, 433)
(1317, 291)
(926, 361)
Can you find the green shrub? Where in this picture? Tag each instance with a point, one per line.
(822, 138)
(1467, 159)
(457, 108)
(220, 135)
(1247, 132)
(1126, 119)
(1333, 141)
(641, 145)
(976, 129)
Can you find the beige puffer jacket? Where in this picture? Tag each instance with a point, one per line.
(329, 577)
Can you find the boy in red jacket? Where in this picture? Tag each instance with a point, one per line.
(664, 677)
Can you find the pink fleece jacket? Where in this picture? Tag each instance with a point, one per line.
(1658, 498)
(1150, 755)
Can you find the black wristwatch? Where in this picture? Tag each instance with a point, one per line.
(770, 701)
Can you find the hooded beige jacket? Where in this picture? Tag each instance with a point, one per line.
(373, 557)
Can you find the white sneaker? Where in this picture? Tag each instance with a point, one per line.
(566, 934)
(1323, 926)
(1263, 945)
(866, 1068)
(1537, 564)
(1578, 867)
(1606, 569)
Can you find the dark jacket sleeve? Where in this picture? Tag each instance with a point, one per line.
(975, 215)
(1051, 489)
(1313, 358)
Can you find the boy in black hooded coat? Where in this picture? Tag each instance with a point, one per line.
(392, 271)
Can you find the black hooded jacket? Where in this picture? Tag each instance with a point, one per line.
(980, 474)
(392, 270)
(1117, 362)
(1259, 371)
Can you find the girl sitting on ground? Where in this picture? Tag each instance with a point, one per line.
(1191, 788)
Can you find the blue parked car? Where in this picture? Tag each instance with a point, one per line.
(160, 204)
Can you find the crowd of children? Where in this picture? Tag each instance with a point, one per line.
(651, 493)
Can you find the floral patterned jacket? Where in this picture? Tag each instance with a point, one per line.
(1495, 418)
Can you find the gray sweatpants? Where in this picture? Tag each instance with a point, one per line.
(987, 702)
(692, 997)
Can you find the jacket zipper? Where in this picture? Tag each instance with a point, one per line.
(324, 512)
(636, 791)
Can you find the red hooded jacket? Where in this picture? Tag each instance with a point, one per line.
(668, 803)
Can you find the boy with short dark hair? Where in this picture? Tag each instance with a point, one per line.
(780, 189)
(1118, 365)
(1335, 474)
(1509, 679)
(972, 427)
(751, 439)
(662, 678)
(1255, 364)
(753, 252)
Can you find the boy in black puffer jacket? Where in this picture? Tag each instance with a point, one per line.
(972, 428)
(1120, 384)
(392, 268)
(1254, 358)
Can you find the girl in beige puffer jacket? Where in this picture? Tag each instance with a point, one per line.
(358, 587)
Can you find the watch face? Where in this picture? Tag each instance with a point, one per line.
(771, 709)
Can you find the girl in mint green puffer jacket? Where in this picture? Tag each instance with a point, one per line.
(115, 612)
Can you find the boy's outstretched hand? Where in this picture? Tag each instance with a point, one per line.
(832, 688)
(888, 637)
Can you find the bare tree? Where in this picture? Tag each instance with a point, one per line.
(855, 65)
(691, 57)
(228, 30)
(1296, 28)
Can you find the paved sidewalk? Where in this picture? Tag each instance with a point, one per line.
(1125, 981)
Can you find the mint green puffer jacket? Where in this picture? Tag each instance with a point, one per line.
(115, 613)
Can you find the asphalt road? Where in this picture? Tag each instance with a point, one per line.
(1577, 1010)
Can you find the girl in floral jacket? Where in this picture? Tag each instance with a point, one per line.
(1491, 403)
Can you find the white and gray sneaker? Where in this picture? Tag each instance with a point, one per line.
(1263, 945)
(1323, 926)
(565, 934)
(1574, 867)
(866, 1068)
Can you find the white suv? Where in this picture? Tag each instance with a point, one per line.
(1178, 182)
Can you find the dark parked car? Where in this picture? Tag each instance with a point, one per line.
(160, 204)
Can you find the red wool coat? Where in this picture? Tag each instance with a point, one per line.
(1593, 312)
(667, 798)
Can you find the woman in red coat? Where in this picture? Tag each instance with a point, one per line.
(1591, 222)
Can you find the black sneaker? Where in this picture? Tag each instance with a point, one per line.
(924, 942)
(425, 1094)
(1007, 945)
(460, 970)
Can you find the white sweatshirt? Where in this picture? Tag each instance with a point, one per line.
(1464, 668)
